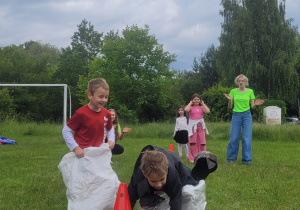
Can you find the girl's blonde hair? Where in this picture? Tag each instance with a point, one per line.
(154, 161)
(244, 77)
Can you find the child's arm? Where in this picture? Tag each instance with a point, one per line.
(111, 137)
(205, 108)
(71, 143)
(133, 195)
(188, 107)
(175, 127)
(125, 130)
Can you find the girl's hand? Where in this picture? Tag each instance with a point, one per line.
(227, 96)
(259, 102)
(126, 129)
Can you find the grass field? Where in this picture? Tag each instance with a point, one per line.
(30, 179)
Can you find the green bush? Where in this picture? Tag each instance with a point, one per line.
(214, 98)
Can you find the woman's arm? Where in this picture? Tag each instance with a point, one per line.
(230, 100)
(258, 102)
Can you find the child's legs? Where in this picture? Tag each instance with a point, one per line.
(193, 147)
(201, 138)
(179, 150)
(186, 150)
(117, 150)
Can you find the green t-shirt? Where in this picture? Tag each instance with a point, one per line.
(241, 100)
(119, 128)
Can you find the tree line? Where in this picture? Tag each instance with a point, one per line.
(256, 40)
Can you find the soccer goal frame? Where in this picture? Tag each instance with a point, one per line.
(65, 86)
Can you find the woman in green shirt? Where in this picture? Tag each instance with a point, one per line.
(240, 99)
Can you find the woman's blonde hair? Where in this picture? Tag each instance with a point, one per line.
(154, 161)
(244, 77)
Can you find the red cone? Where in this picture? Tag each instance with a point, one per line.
(122, 199)
(171, 148)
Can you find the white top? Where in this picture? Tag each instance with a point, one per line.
(193, 126)
(181, 124)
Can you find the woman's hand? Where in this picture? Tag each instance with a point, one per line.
(259, 102)
(227, 96)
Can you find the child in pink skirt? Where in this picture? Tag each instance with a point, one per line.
(196, 127)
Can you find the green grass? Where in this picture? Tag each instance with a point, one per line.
(30, 179)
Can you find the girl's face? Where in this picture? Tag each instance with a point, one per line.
(196, 101)
(113, 115)
(181, 112)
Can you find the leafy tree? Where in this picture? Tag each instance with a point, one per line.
(257, 41)
(74, 61)
(31, 62)
(137, 70)
(7, 106)
(189, 83)
(206, 68)
(86, 41)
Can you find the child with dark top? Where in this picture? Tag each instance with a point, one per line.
(158, 171)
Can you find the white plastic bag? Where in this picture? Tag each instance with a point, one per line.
(193, 197)
(91, 182)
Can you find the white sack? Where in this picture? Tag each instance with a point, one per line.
(91, 182)
(193, 197)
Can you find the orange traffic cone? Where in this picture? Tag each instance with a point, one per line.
(122, 199)
(171, 148)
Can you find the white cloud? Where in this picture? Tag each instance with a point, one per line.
(186, 28)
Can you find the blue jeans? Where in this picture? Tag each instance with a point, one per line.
(240, 120)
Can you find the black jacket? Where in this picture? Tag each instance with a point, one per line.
(178, 176)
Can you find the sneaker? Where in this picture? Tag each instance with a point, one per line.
(231, 161)
(247, 162)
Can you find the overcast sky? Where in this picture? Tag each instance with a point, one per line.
(185, 27)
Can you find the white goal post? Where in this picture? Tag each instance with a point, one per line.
(48, 85)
